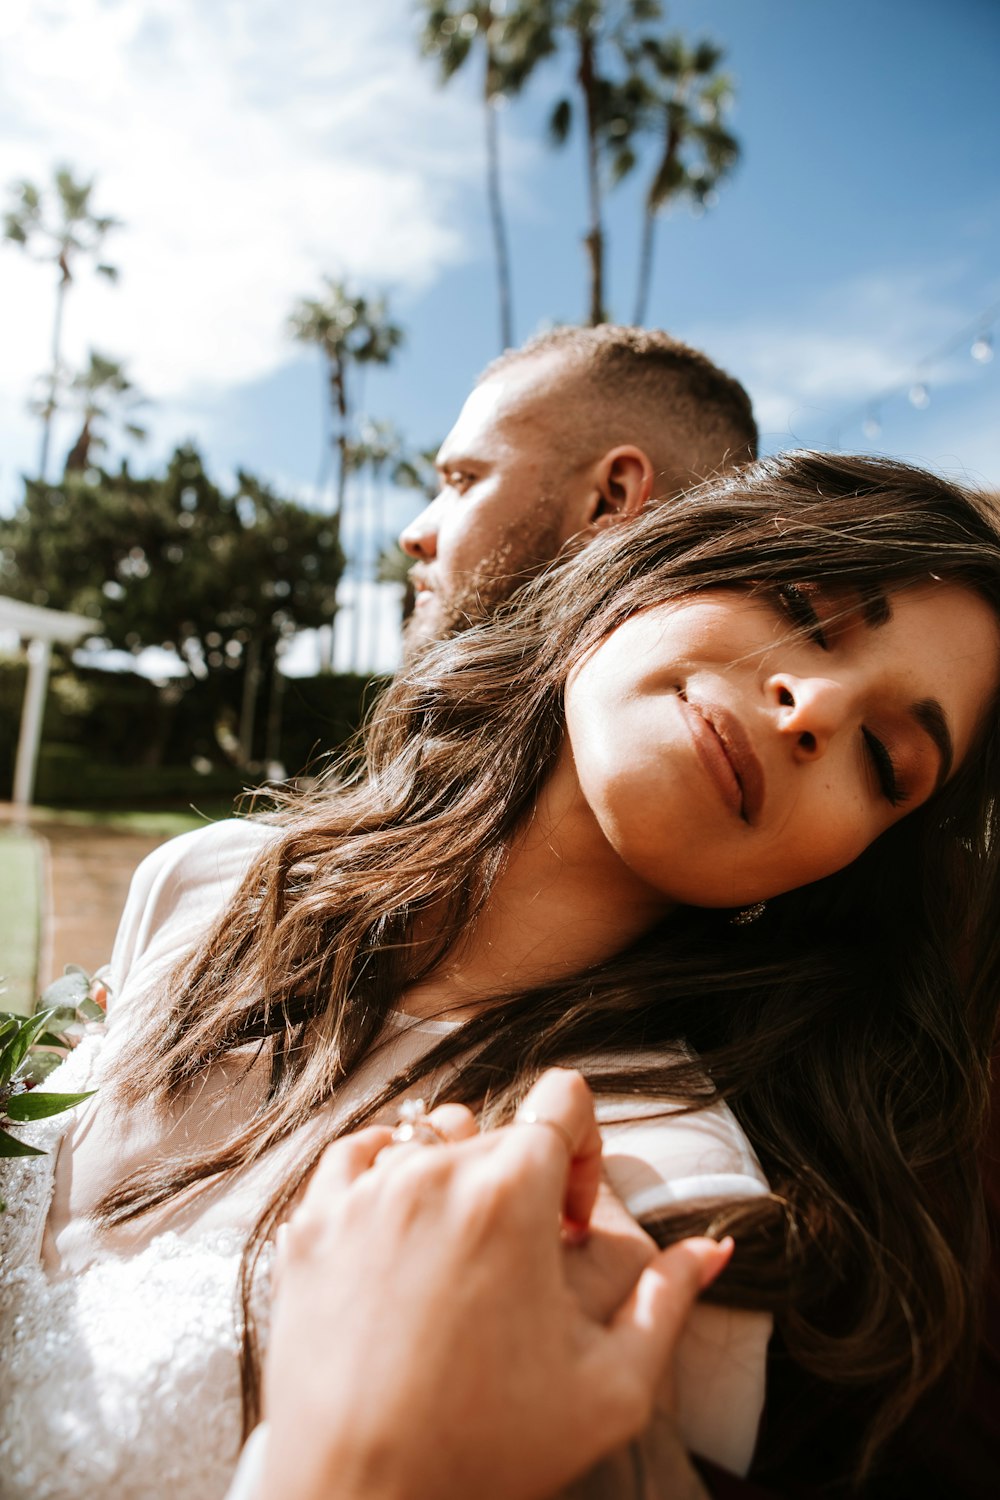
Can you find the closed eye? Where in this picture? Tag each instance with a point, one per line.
(884, 767)
(798, 607)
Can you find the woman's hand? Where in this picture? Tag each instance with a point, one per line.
(426, 1343)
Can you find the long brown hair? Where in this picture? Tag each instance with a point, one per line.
(848, 1029)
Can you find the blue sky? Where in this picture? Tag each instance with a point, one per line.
(251, 145)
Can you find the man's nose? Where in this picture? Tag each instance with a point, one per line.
(809, 710)
(419, 539)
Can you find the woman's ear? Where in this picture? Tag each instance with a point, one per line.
(623, 483)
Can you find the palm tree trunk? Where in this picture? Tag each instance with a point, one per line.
(495, 201)
(671, 146)
(49, 409)
(338, 396)
(645, 265)
(594, 238)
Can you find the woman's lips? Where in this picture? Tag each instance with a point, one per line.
(727, 753)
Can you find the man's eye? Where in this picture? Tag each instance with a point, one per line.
(798, 607)
(458, 479)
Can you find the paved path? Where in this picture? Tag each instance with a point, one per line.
(88, 869)
(89, 873)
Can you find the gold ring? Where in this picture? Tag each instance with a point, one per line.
(530, 1117)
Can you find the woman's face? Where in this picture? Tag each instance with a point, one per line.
(731, 746)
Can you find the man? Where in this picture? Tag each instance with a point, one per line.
(577, 430)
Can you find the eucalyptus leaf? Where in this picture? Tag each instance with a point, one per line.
(90, 1010)
(38, 1065)
(34, 1104)
(10, 1146)
(72, 988)
(61, 1016)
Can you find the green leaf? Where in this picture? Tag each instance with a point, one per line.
(10, 1146)
(16, 1047)
(89, 1010)
(35, 1104)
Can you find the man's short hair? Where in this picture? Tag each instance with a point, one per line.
(641, 385)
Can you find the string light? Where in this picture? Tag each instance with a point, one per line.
(976, 337)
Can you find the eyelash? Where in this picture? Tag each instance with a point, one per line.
(800, 611)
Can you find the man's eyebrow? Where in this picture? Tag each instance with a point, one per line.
(932, 719)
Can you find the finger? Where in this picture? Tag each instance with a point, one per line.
(341, 1164)
(447, 1125)
(453, 1122)
(646, 1328)
(560, 1107)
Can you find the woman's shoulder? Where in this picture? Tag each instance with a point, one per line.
(204, 853)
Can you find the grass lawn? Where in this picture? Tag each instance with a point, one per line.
(20, 914)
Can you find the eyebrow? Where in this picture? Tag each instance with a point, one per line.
(875, 607)
(932, 719)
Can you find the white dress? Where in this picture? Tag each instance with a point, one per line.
(119, 1377)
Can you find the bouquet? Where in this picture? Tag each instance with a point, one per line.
(32, 1046)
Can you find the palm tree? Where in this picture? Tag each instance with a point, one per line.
(101, 393)
(602, 34)
(58, 232)
(688, 99)
(378, 448)
(350, 332)
(512, 43)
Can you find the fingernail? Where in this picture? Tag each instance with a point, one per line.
(716, 1262)
(574, 1233)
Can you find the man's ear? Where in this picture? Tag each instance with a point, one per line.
(623, 482)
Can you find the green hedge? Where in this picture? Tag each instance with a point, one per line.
(115, 737)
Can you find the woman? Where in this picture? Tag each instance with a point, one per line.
(780, 689)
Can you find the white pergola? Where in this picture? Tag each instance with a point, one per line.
(39, 627)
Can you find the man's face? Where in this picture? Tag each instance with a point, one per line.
(505, 507)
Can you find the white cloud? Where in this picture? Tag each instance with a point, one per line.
(811, 369)
(250, 145)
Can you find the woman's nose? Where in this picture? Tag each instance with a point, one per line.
(809, 709)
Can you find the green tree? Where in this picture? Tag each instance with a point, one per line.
(101, 394)
(58, 226)
(683, 96)
(220, 576)
(511, 40)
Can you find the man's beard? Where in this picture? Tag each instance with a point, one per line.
(523, 550)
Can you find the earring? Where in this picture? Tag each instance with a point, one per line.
(748, 914)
